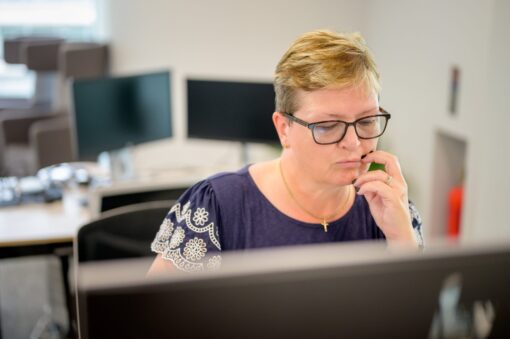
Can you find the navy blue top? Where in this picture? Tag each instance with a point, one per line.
(228, 212)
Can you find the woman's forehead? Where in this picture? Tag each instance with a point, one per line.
(337, 102)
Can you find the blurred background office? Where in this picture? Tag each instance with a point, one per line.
(444, 66)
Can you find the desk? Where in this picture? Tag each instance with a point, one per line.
(34, 226)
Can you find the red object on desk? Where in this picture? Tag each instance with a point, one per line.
(454, 210)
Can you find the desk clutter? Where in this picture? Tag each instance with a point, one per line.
(15, 191)
(49, 183)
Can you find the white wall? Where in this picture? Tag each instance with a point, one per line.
(415, 43)
(488, 210)
(221, 39)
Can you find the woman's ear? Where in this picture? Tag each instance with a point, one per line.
(281, 123)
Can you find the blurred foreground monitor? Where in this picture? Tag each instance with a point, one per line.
(317, 291)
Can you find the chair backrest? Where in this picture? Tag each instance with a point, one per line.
(44, 55)
(51, 141)
(83, 60)
(41, 55)
(124, 232)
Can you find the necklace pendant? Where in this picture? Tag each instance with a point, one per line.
(325, 224)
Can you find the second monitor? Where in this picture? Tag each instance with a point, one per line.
(113, 112)
(231, 110)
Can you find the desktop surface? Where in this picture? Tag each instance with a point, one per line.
(348, 291)
(41, 223)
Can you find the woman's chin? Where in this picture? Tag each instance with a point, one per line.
(347, 177)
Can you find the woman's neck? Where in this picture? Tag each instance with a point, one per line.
(317, 197)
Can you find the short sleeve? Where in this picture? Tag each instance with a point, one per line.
(417, 222)
(188, 236)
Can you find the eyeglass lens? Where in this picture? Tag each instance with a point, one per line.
(334, 131)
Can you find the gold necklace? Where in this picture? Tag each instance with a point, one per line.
(324, 219)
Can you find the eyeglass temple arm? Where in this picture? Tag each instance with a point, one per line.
(299, 121)
(382, 110)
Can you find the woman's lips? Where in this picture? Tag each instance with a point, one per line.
(354, 162)
(349, 163)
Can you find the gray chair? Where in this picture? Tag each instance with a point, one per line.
(15, 49)
(33, 142)
(38, 54)
(78, 61)
(32, 139)
(124, 232)
(83, 60)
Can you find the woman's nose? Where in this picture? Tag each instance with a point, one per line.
(350, 140)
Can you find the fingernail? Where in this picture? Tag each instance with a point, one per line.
(364, 155)
(356, 188)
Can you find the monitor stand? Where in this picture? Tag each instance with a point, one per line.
(119, 163)
(244, 153)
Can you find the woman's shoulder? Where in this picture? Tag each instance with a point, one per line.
(218, 181)
(240, 175)
(230, 184)
(219, 189)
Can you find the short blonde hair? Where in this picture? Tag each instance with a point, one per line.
(323, 58)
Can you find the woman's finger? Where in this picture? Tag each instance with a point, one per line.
(390, 162)
(378, 188)
(377, 175)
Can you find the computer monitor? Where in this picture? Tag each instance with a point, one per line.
(231, 110)
(114, 112)
(324, 291)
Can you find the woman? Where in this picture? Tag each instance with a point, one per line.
(328, 120)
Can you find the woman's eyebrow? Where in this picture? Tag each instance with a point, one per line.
(373, 110)
(339, 116)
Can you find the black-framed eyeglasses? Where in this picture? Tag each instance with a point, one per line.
(333, 131)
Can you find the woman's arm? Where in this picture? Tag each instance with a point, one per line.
(160, 266)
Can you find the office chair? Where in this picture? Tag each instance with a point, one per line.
(124, 232)
(34, 138)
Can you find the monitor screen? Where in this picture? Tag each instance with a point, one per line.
(228, 110)
(316, 291)
(114, 112)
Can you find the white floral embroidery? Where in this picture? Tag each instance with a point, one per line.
(201, 216)
(165, 231)
(158, 247)
(185, 215)
(195, 249)
(180, 262)
(417, 222)
(177, 238)
(414, 213)
(169, 242)
(419, 237)
(185, 207)
(214, 262)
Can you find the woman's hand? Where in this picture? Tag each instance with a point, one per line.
(386, 193)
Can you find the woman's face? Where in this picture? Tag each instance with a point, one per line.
(339, 163)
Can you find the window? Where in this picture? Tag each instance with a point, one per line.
(76, 20)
